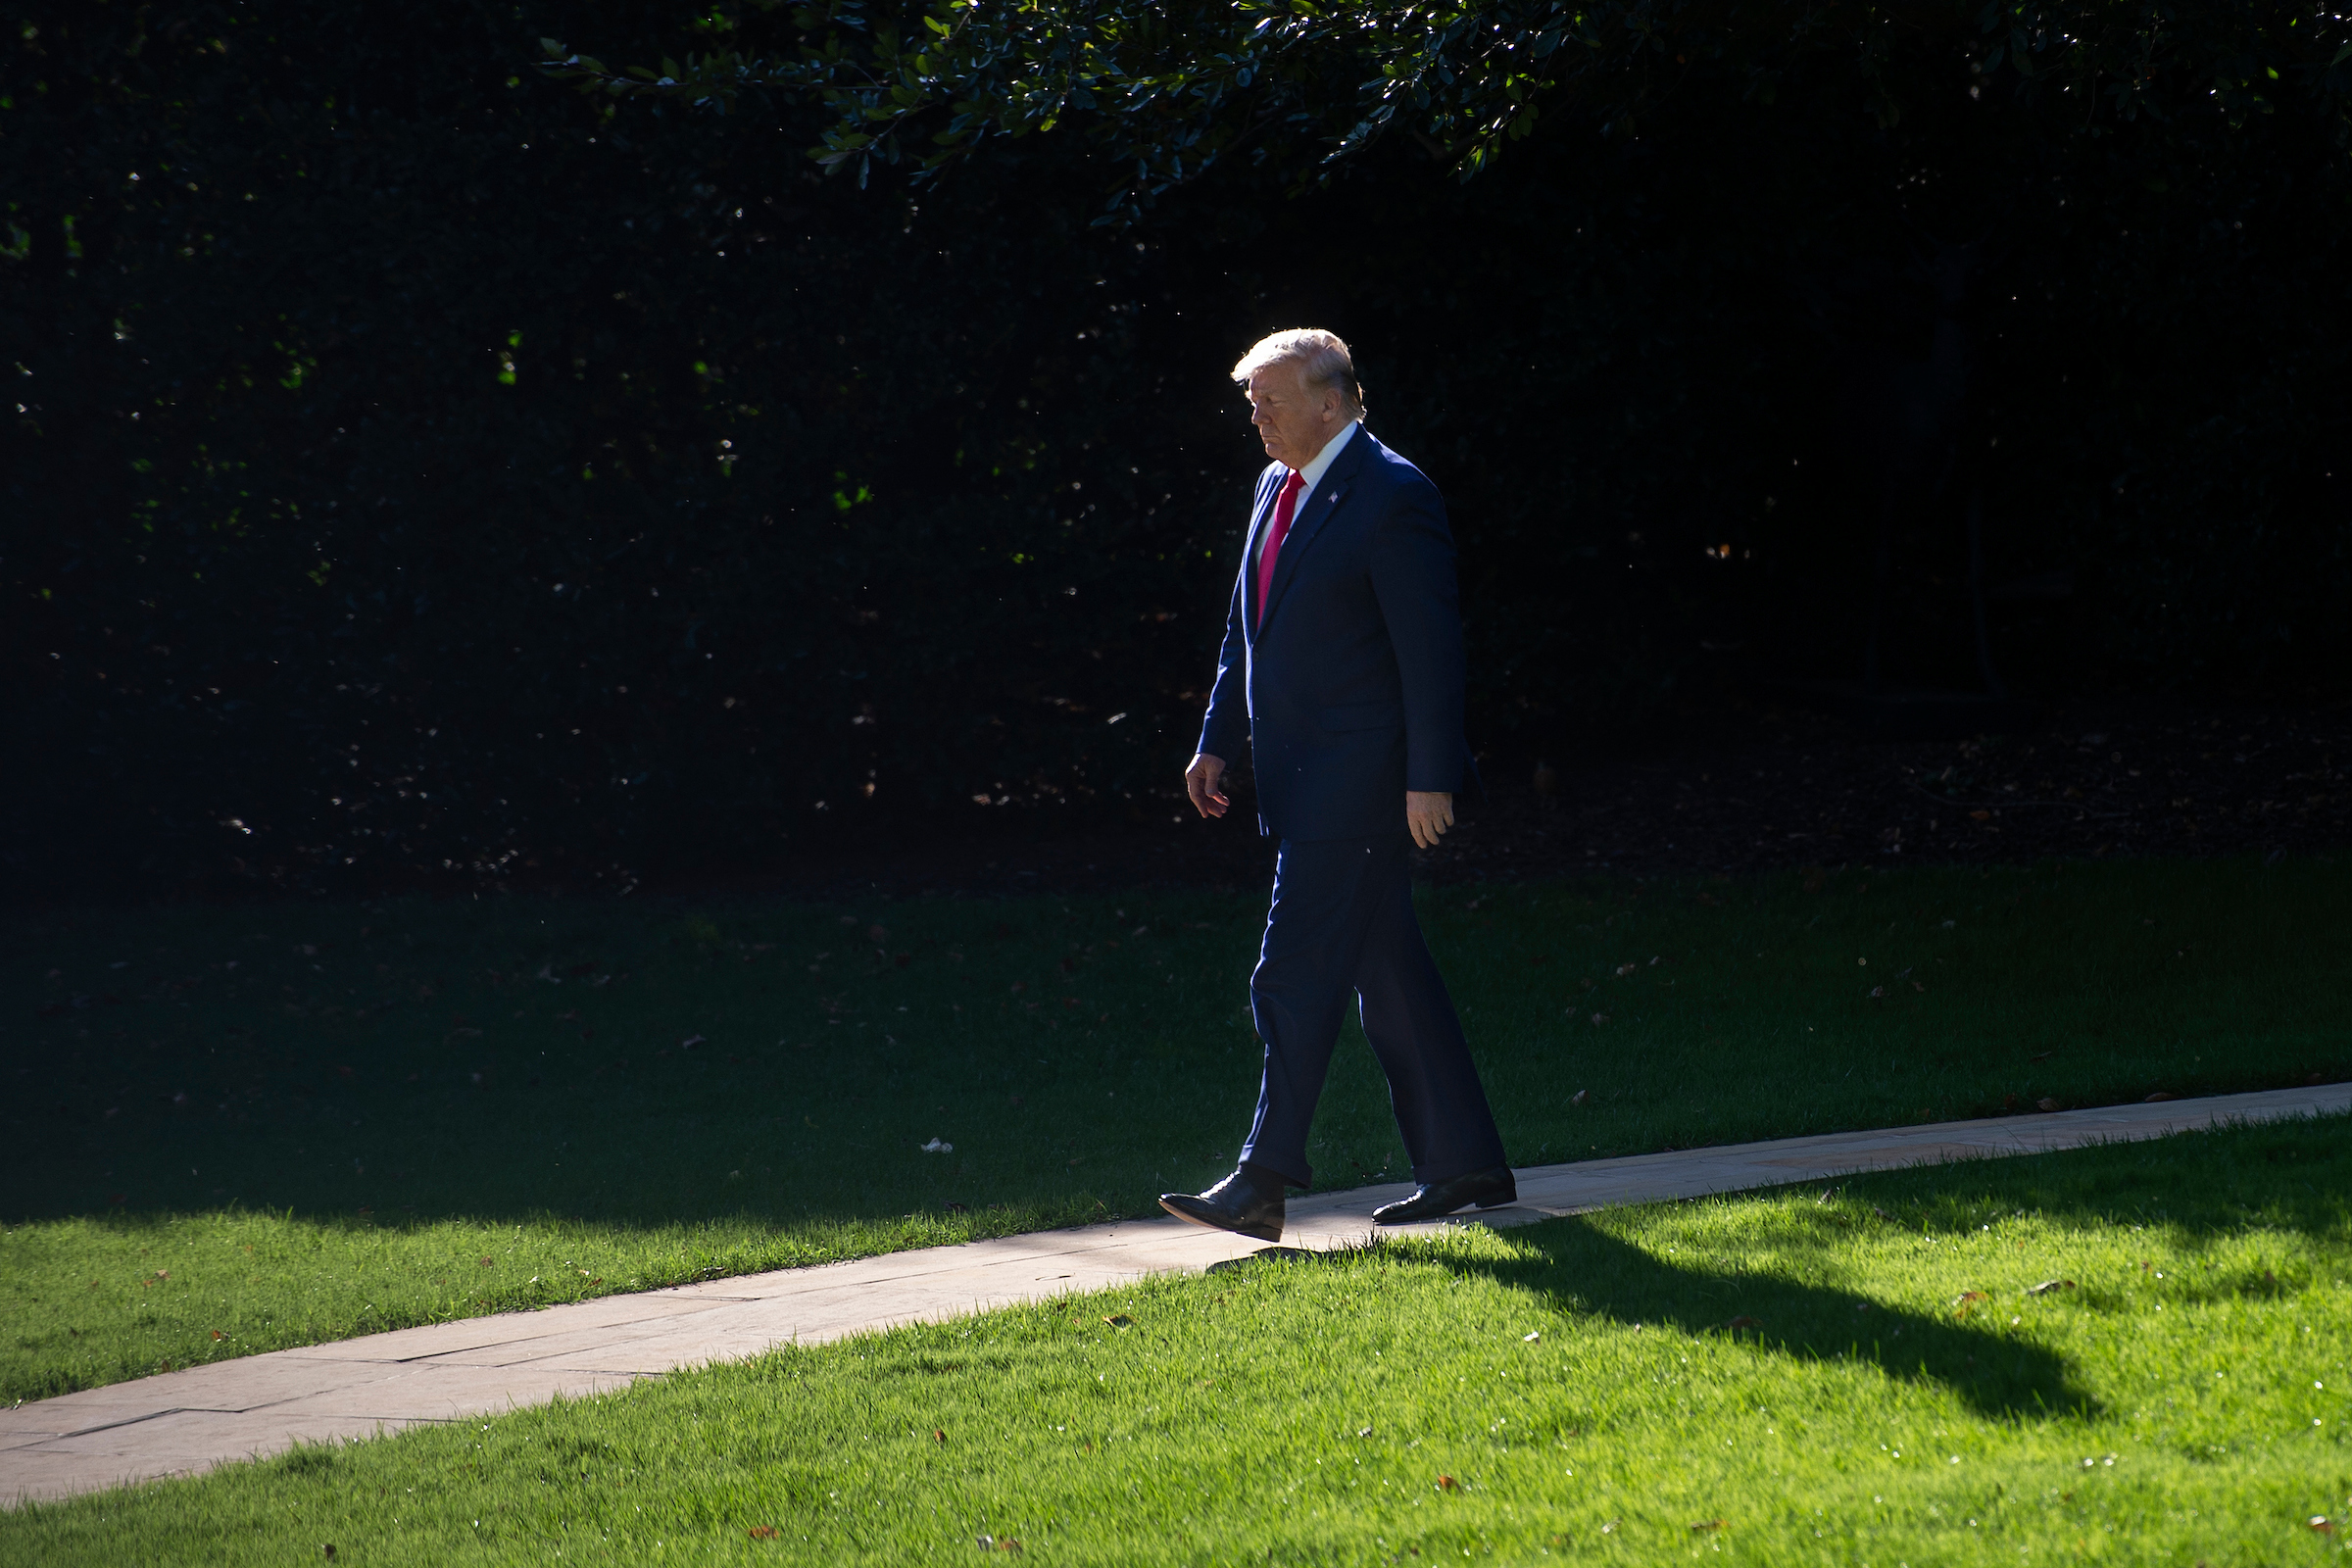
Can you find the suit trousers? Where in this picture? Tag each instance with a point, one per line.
(1341, 921)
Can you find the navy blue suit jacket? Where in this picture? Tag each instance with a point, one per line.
(1349, 689)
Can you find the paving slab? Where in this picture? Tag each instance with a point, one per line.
(183, 1423)
(180, 1441)
(619, 1314)
(435, 1392)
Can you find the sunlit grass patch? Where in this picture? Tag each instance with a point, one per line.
(110, 1297)
(1877, 1373)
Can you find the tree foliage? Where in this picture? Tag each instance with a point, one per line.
(417, 469)
(1165, 92)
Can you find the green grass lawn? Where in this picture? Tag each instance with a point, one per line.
(2135, 1353)
(238, 1129)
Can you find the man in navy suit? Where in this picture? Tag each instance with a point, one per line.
(1342, 671)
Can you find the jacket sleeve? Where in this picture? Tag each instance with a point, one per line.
(1225, 730)
(1412, 575)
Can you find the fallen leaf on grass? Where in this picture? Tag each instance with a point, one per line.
(764, 1532)
(1709, 1524)
(1448, 1484)
(2048, 1285)
(217, 1335)
(2045, 1103)
(939, 1435)
(1966, 1302)
(1121, 1320)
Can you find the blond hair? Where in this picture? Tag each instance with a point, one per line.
(1319, 354)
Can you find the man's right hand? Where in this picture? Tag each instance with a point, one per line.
(1200, 782)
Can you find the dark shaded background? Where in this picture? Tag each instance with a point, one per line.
(418, 472)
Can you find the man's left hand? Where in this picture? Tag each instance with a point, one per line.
(1429, 813)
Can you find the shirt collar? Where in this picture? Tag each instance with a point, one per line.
(1320, 464)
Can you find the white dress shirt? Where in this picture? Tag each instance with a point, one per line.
(1316, 466)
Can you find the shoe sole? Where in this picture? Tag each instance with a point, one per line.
(1256, 1232)
(1422, 1219)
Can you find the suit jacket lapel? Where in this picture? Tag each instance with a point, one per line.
(1261, 517)
(1329, 497)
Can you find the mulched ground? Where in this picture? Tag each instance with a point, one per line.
(1739, 787)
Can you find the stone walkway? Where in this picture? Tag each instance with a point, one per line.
(181, 1423)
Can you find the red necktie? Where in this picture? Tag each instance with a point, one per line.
(1272, 551)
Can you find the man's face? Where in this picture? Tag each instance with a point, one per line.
(1291, 422)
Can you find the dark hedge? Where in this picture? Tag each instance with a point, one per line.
(417, 471)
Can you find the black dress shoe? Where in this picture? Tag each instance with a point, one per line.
(1484, 1189)
(1240, 1203)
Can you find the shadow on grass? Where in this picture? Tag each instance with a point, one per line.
(1574, 1266)
(2283, 1182)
